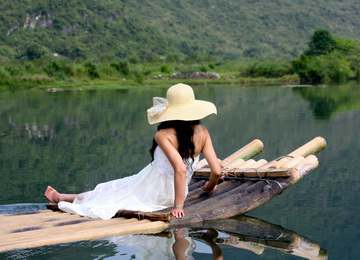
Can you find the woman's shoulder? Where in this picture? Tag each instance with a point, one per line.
(167, 133)
(201, 130)
(201, 134)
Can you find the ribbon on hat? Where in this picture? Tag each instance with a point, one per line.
(159, 106)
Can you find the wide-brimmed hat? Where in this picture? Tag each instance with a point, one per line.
(179, 104)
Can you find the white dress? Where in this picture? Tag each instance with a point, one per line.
(149, 190)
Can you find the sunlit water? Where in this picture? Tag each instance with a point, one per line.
(74, 140)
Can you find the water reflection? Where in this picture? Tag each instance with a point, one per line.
(325, 101)
(174, 244)
(256, 235)
(244, 233)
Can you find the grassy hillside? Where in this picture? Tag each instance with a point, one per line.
(164, 29)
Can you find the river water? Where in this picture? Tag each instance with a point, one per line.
(74, 140)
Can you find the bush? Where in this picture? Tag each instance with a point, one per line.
(7, 52)
(134, 59)
(338, 68)
(4, 74)
(122, 67)
(321, 69)
(14, 70)
(59, 70)
(147, 72)
(138, 76)
(203, 68)
(92, 70)
(268, 69)
(350, 49)
(309, 69)
(165, 68)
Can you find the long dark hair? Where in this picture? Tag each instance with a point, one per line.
(184, 134)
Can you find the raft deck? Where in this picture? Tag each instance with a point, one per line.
(247, 184)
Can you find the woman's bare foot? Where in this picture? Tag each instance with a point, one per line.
(52, 195)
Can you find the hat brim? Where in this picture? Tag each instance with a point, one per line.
(196, 110)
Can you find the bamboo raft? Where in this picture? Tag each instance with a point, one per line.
(247, 183)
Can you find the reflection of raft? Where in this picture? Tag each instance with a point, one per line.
(247, 184)
(255, 235)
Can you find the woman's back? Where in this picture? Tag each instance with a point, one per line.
(199, 137)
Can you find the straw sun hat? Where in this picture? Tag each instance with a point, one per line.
(179, 104)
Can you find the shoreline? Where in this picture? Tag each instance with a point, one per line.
(118, 83)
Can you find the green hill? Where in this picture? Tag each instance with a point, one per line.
(164, 29)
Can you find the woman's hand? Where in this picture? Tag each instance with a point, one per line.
(208, 187)
(178, 212)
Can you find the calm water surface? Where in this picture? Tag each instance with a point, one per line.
(74, 140)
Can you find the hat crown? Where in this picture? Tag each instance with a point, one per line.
(180, 94)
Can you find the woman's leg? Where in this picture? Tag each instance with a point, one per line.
(67, 197)
(54, 196)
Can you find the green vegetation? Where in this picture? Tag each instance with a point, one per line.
(328, 59)
(268, 69)
(160, 30)
(124, 42)
(64, 73)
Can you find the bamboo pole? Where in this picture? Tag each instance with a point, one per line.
(93, 229)
(154, 216)
(235, 160)
(291, 162)
(250, 172)
(236, 163)
(304, 167)
(314, 146)
(260, 163)
(248, 151)
(248, 164)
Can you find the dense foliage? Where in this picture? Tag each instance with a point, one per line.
(329, 59)
(170, 30)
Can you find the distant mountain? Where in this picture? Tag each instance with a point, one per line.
(139, 29)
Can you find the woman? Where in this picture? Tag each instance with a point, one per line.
(163, 183)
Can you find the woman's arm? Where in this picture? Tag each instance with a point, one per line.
(181, 245)
(176, 161)
(213, 162)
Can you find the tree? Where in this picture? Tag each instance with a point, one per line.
(322, 42)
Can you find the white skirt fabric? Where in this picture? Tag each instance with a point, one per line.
(149, 190)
